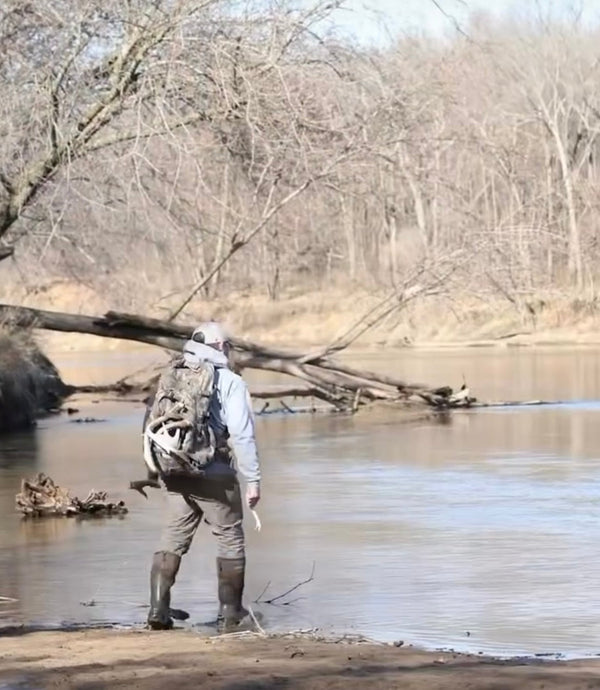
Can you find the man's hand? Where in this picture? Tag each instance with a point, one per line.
(252, 494)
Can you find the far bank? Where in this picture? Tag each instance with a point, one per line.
(304, 318)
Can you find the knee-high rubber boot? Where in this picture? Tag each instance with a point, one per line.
(231, 573)
(162, 577)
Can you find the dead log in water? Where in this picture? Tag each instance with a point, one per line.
(344, 387)
(41, 497)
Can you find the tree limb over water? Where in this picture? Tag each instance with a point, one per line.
(344, 387)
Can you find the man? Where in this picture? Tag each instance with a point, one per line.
(216, 497)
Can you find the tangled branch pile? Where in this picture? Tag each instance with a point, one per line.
(41, 497)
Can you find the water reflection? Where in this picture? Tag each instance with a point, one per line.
(484, 523)
(18, 458)
(18, 450)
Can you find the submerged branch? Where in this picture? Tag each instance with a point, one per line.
(272, 600)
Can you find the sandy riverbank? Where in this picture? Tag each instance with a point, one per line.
(181, 659)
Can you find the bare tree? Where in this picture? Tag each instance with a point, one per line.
(221, 148)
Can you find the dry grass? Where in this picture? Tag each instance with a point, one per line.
(318, 317)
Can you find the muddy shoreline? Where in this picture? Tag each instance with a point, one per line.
(145, 660)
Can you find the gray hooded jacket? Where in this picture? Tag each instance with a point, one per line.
(230, 408)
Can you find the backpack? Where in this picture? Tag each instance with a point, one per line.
(178, 440)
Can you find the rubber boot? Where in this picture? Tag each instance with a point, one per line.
(231, 573)
(162, 577)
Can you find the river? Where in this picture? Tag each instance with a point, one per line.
(479, 532)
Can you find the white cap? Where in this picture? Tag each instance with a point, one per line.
(210, 333)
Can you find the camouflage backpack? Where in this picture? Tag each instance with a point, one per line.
(178, 440)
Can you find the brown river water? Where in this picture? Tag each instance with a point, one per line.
(479, 533)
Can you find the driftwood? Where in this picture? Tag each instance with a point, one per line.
(41, 497)
(322, 377)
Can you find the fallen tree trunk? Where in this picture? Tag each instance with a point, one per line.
(25, 317)
(325, 378)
